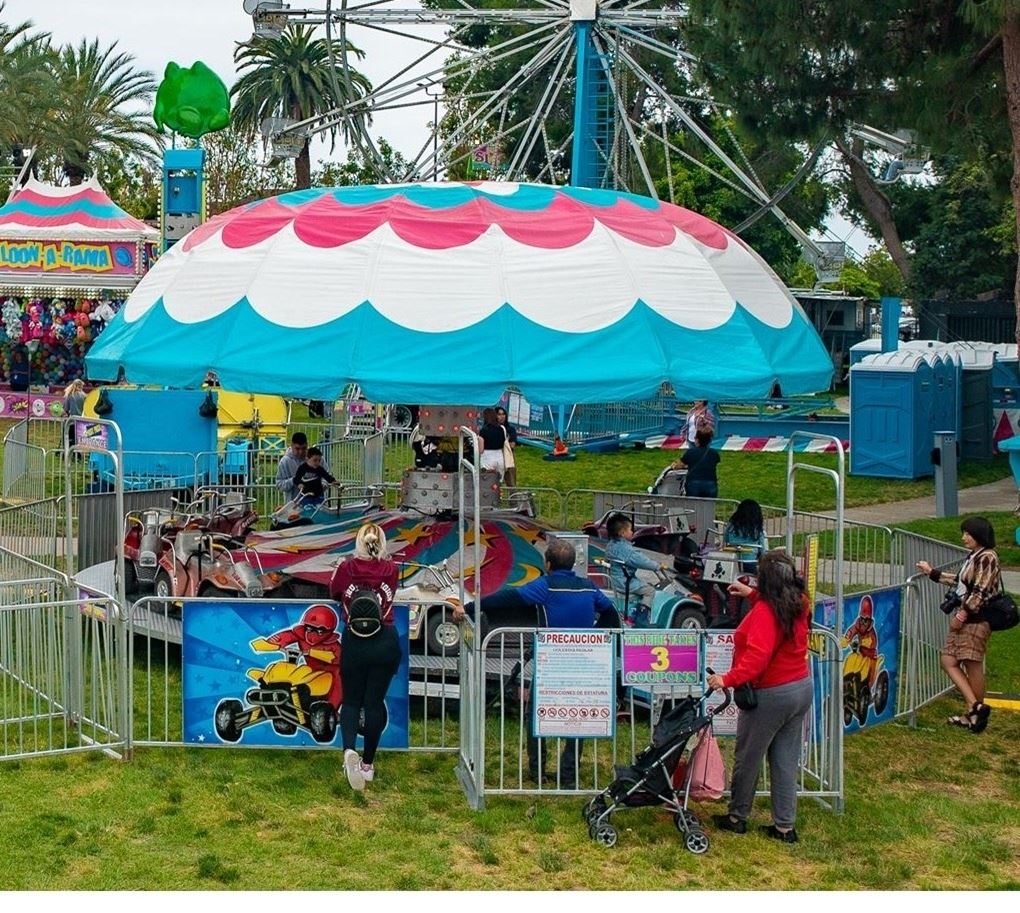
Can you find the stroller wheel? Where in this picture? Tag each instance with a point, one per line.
(594, 810)
(686, 821)
(696, 841)
(606, 835)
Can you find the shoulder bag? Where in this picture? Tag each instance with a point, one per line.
(1000, 612)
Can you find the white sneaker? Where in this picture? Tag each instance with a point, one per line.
(368, 772)
(352, 767)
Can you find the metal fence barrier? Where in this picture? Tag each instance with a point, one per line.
(504, 682)
(63, 686)
(34, 529)
(871, 556)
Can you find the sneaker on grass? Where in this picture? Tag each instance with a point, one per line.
(352, 767)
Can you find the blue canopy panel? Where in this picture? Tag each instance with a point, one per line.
(450, 293)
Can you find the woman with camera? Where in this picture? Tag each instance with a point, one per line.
(769, 653)
(963, 656)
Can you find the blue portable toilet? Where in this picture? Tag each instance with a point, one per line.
(864, 348)
(976, 397)
(1005, 373)
(892, 414)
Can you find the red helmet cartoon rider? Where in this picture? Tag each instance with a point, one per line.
(319, 643)
(863, 629)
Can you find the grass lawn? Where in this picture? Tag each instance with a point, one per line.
(948, 529)
(761, 476)
(927, 808)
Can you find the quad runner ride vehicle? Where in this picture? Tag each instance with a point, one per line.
(198, 563)
(148, 534)
(289, 694)
(858, 696)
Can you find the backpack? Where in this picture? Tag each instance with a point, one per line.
(364, 613)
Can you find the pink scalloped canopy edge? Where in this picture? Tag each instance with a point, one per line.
(327, 223)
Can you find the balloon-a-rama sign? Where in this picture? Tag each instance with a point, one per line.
(69, 257)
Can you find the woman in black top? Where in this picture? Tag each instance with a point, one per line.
(701, 461)
(493, 436)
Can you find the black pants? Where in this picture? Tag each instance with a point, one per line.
(367, 666)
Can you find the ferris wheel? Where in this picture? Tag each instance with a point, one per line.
(594, 93)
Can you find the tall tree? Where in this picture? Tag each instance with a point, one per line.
(291, 76)
(1000, 19)
(102, 106)
(26, 87)
(805, 70)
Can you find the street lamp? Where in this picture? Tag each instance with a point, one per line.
(435, 124)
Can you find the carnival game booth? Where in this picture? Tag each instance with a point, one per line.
(69, 256)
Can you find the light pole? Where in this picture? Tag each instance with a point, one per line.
(435, 124)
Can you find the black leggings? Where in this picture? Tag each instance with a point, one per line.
(367, 665)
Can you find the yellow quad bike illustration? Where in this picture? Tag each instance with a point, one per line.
(288, 693)
(857, 695)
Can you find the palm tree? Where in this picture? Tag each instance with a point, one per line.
(103, 106)
(26, 87)
(291, 76)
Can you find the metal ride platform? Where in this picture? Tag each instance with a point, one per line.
(430, 675)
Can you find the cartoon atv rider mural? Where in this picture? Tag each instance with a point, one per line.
(303, 691)
(865, 682)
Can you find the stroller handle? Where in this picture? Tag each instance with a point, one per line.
(727, 697)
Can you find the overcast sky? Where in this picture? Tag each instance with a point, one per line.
(157, 31)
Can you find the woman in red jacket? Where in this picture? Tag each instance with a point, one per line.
(369, 655)
(770, 652)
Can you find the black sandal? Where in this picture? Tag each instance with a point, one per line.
(964, 722)
(979, 714)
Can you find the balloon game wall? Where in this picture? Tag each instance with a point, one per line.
(55, 332)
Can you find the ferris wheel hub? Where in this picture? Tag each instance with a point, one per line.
(584, 10)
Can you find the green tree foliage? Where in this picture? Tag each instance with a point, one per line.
(101, 108)
(682, 174)
(291, 76)
(235, 172)
(959, 245)
(357, 169)
(27, 87)
(811, 70)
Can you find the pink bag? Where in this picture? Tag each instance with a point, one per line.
(708, 774)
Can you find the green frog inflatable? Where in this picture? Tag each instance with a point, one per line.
(192, 101)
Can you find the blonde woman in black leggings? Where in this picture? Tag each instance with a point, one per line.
(369, 653)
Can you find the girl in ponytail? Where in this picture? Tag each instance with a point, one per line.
(368, 662)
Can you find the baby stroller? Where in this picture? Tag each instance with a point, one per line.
(670, 482)
(660, 775)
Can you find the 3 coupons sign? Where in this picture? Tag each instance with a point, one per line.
(67, 256)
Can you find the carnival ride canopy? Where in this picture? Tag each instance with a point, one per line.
(76, 236)
(450, 293)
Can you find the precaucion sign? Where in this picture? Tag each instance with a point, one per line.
(660, 658)
(575, 693)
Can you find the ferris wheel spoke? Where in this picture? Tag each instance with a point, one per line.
(791, 226)
(646, 41)
(621, 107)
(523, 76)
(389, 90)
(694, 160)
(552, 90)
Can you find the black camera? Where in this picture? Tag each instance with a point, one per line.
(951, 603)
